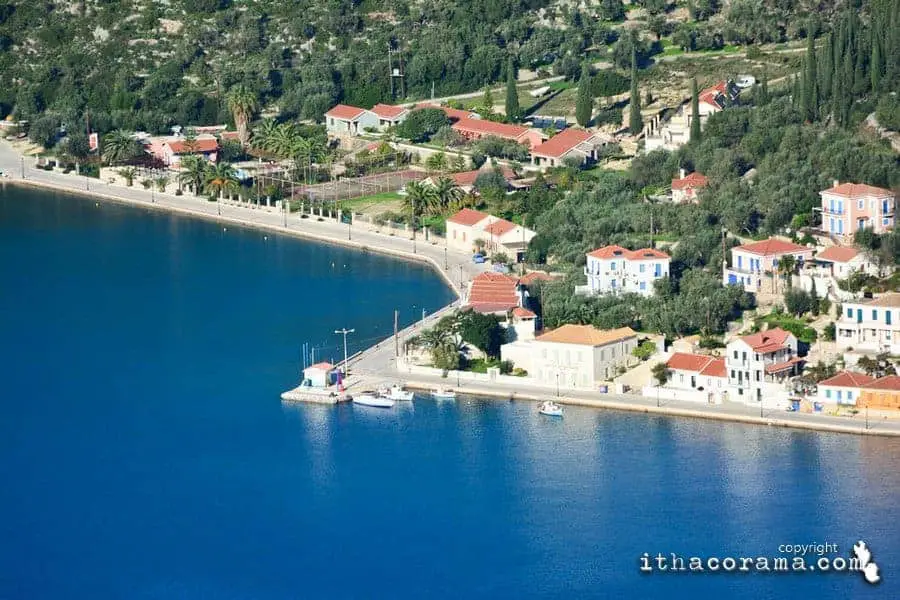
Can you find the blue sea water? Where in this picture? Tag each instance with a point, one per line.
(144, 452)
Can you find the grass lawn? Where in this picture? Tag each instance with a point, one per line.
(366, 202)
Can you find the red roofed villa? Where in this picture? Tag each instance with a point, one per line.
(617, 270)
(752, 264)
(759, 363)
(493, 293)
(698, 373)
(470, 230)
(474, 129)
(686, 187)
(849, 207)
(170, 149)
(569, 145)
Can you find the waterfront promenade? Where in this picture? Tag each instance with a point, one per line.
(379, 362)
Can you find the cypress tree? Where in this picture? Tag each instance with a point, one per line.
(810, 100)
(513, 112)
(825, 74)
(695, 112)
(847, 90)
(796, 92)
(763, 92)
(875, 65)
(863, 52)
(635, 122)
(585, 98)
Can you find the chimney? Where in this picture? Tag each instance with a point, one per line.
(836, 183)
(681, 173)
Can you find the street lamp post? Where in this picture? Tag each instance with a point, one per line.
(349, 225)
(344, 332)
(557, 385)
(867, 416)
(22, 158)
(445, 258)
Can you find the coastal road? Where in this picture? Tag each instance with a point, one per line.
(456, 267)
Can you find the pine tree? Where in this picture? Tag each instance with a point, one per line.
(513, 112)
(810, 101)
(695, 112)
(635, 122)
(585, 100)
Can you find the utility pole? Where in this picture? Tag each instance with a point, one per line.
(344, 332)
(396, 336)
(445, 256)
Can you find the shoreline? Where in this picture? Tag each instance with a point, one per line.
(664, 411)
(388, 370)
(238, 221)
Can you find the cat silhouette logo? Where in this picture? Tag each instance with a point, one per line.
(867, 567)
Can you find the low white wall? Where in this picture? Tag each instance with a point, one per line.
(403, 367)
(665, 393)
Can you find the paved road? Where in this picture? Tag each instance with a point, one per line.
(455, 266)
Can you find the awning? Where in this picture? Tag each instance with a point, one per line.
(784, 366)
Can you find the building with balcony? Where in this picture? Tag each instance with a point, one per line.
(759, 365)
(617, 270)
(849, 207)
(870, 325)
(754, 264)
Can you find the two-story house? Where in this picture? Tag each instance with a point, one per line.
(752, 264)
(758, 364)
(617, 270)
(871, 325)
(849, 207)
(687, 187)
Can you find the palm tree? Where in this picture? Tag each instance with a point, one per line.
(128, 173)
(161, 183)
(193, 172)
(786, 267)
(242, 102)
(306, 151)
(447, 193)
(419, 196)
(263, 135)
(283, 139)
(220, 179)
(119, 147)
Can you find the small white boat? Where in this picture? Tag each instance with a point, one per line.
(396, 392)
(372, 399)
(551, 409)
(443, 394)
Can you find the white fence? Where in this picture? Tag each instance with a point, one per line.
(492, 376)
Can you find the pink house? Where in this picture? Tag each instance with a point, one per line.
(753, 264)
(171, 149)
(849, 207)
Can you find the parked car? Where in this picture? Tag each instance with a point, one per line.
(745, 81)
(478, 258)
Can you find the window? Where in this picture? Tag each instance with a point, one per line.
(732, 373)
(681, 378)
(744, 356)
(643, 285)
(658, 270)
(641, 267)
(839, 394)
(885, 221)
(828, 393)
(612, 283)
(735, 355)
(849, 313)
(885, 208)
(756, 356)
(874, 315)
(840, 207)
(740, 260)
(887, 317)
(849, 396)
(861, 204)
(612, 266)
(831, 204)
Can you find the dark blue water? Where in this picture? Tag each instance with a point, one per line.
(144, 452)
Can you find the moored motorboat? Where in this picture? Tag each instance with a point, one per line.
(551, 409)
(396, 392)
(443, 394)
(369, 398)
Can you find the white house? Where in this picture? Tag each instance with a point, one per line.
(687, 187)
(352, 120)
(697, 373)
(844, 388)
(842, 261)
(573, 356)
(389, 115)
(318, 375)
(759, 364)
(469, 226)
(569, 145)
(870, 325)
(617, 270)
(752, 264)
(521, 324)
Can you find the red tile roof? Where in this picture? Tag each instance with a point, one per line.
(466, 178)
(322, 366)
(499, 227)
(200, 146)
(888, 382)
(684, 361)
(715, 368)
(345, 112)
(839, 254)
(856, 190)
(767, 341)
(614, 251)
(523, 313)
(694, 180)
(848, 379)
(468, 216)
(493, 292)
(784, 366)
(586, 335)
(388, 111)
(484, 127)
(562, 142)
(454, 114)
(230, 135)
(533, 276)
(771, 247)
(714, 95)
